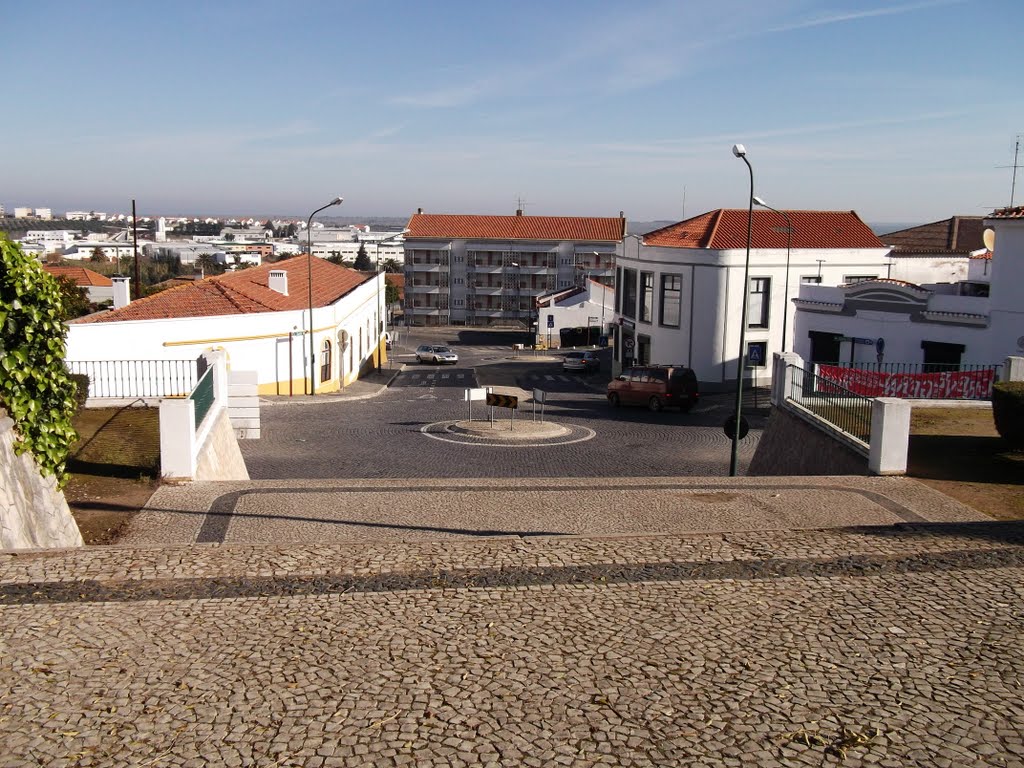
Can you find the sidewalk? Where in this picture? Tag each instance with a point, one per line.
(370, 385)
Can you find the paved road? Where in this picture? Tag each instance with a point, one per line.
(884, 647)
(382, 437)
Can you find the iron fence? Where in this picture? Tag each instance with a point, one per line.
(847, 411)
(930, 381)
(202, 395)
(137, 378)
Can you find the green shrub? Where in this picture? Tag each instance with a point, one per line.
(35, 387)
(81, 382)
(1008, 411)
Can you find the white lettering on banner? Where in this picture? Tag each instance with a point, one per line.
(943, 385)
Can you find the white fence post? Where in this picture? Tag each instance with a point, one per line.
(890, 436)
(1013, 369)
(178, 439)
(782, 375)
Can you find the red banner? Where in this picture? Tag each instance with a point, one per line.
(944, 385)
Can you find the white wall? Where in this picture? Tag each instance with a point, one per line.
(712, 294)
(257, 342)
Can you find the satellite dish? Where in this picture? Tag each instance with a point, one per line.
(988, 237)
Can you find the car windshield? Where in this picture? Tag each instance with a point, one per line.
(441, 349)
(575, 355)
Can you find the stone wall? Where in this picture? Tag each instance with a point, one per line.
(33, 511)
(791, 446)
(220, 457)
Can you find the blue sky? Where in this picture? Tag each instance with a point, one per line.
(900, 111)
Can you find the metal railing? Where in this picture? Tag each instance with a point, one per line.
(137, 378)
(929, 381)
(202, 395)
(845, 410)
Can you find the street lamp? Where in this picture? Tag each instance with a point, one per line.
(740, 151)
(381, 322)
(789, 245)
(309, 275)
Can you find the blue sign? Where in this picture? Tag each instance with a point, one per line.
(551, 321)
(754, 354)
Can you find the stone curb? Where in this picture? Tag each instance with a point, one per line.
(334, 397)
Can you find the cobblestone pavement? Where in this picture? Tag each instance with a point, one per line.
(307, 511)
(871, 646)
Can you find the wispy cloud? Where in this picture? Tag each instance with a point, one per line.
(839, 18)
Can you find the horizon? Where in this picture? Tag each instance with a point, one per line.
(575, 109)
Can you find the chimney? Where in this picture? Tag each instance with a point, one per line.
(278, 281)
(419, 210)
(197, 273)
(622, 214)
(519, 211)
(122, 295)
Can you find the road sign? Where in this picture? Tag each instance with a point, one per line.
(730, 427)
(502, 401)
(858, 340)
(539, 395)
(628, 344)
(754, 354)
(478, 393)
(551, 321)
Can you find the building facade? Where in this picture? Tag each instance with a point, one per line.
(679, 289)
(489, 270)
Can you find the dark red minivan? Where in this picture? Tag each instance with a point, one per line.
(655, 386)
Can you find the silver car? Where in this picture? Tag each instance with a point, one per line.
(431, 353)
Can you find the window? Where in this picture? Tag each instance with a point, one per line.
(325, 361)
(671, 293)
(811, 279)
(458, 302)
(459, 258)
(646, 296)
(618, 289)
(457, 281)
(760, 302)
(854, 279)
(629, 292)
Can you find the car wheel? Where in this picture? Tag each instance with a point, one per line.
(420, 360)
(655, 404)
(613, 400)
(435, 361)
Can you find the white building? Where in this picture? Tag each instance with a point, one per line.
(187, 251)
(52, 240)
(679, 289)
(935, 254)
(44, 213)
(917, 325)
(487, 270)
(22, 213)
(260, 316)
(85, 250)
(98, 288)
(588, 306)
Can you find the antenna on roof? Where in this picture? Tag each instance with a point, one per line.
(521, 205)
(1015, 166)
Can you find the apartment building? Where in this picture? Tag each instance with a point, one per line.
(489, 270)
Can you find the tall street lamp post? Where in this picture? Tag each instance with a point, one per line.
(309, 275)
(789, 246)
(740, 151)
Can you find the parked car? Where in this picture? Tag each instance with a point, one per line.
(431, 353)
(586, 362)
(656, 386)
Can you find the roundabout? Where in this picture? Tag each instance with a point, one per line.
(507, 434)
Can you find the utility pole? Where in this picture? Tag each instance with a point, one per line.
(137, 291)
(1015, 166)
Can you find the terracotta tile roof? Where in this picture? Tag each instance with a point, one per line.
(955, 235)
(727, 228)
(396, 279)
(986, 256)
(242, 292)
(459, 227)
(83, 277)
(1017, 212)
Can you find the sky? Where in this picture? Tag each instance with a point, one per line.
(902, 111)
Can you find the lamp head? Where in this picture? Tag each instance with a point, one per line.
(759, 201)
(739, 150)
(337, 201)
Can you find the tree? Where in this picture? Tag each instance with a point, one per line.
(391, 295)
(229, 237)
(363, 263)
(207, 264)
(76, 302)
(98, 255)
(392, 265)
(35, 387)
(335, 258)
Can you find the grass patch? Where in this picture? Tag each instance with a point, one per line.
(958, 451)
(114, 469)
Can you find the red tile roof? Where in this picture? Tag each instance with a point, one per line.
(1016, 212)
(955, 235)
(727, 228)
(242, 292)
(396, 279)
(83, 277)
(986, 256)
(459, 227)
